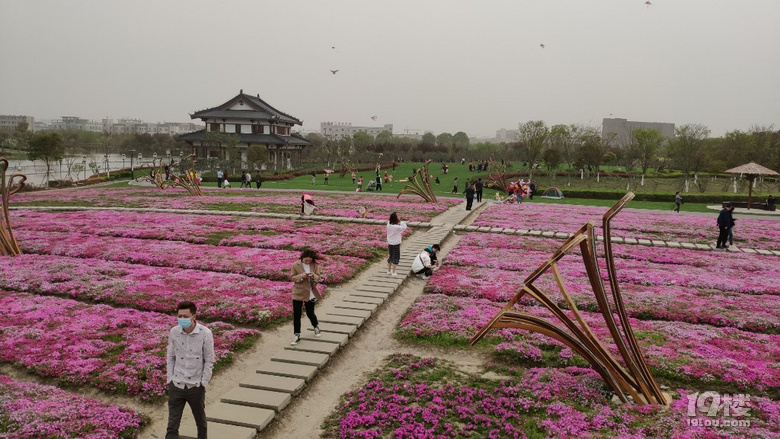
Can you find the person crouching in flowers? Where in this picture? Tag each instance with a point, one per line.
(190, 363)
(305, 273)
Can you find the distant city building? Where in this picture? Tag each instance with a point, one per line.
(505, 135)
(335, 130)
(121, 126)
(621, 130)
(9, 122)
(255, 122)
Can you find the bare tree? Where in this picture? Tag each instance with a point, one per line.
(533, 135)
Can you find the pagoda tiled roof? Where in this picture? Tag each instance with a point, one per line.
(257, 109)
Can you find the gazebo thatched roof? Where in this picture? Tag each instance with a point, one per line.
(752, 168)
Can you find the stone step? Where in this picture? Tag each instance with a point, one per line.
(265, 399)
(364, 299)
(348, 329)
(359, 292)
(302, 371)
(370, 307)
(239, 415)
(384, 280)
(350, 313)
(297, 357)
(273, 383)
(315, 346)
(188, 430)
(343, 320)
(326, 337)
(375, 289)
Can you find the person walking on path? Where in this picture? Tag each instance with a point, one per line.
(258, 182)
(190, 364)
(677, 202)
(531, 190)
(313, 178)
(395, 231)
(469, 196)
(724, 224)
(305, 274)
(378, 183)
(478, 189)
(353, 178)
(455, 186)
(731, 227)
(220, 175)
(426, 263)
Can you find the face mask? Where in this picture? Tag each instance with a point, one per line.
(185, 322)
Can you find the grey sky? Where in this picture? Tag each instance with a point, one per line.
(451, 65)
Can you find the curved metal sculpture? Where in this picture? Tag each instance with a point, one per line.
(634, 380)
(422, 187)
(188, 178)
(8, 245)
(156, 173)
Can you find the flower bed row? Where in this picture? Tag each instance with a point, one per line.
(266, 263)
(428, 398)
(675, 284)
(331, 204)
(352, 239)
(632, 223)
(220, 296)
(32, 411)
(115, 349)
(675, 350)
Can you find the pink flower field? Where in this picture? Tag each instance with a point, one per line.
(429, 398)
(632, 223)
(116, 349)
(328, 203)
(33, 411)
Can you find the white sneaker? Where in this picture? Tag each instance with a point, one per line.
(394, 274)
(296, 340)
(425, 277)
(317, 332)
(389, 272)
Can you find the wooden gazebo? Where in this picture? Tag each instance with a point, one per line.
(751, 171)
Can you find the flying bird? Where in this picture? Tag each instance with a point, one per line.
(334, 71)
(648, 3)
(332, 47)
(373, 117)
(542, 46)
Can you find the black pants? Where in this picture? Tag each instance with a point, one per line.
(177, 398)
(469, 202)
(723, 236)
(394, 254)
(479, 196)
(677, 207)
(298, 313)
(219, 182)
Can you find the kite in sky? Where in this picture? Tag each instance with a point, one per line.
(334, 71)
(648, 3)
(542, 46)
(373, 117)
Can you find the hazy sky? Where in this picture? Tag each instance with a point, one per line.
(450, 65)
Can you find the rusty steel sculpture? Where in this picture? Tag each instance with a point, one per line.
(188, 178)
(8, 245)
(497, 179)
(422, 187)
(156, 174)
(346, 167)
(632, 382)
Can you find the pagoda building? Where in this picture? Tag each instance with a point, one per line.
(249, 121)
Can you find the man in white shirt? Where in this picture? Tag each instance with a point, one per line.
(426, 262)
(190, 363)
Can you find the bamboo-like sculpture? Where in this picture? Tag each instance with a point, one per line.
(156, 174)
(8, 245)
(634, 380)
(188, 178)
(497, 178)
(423, 187)
(346, 166)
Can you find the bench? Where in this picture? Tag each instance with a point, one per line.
(753, 205)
